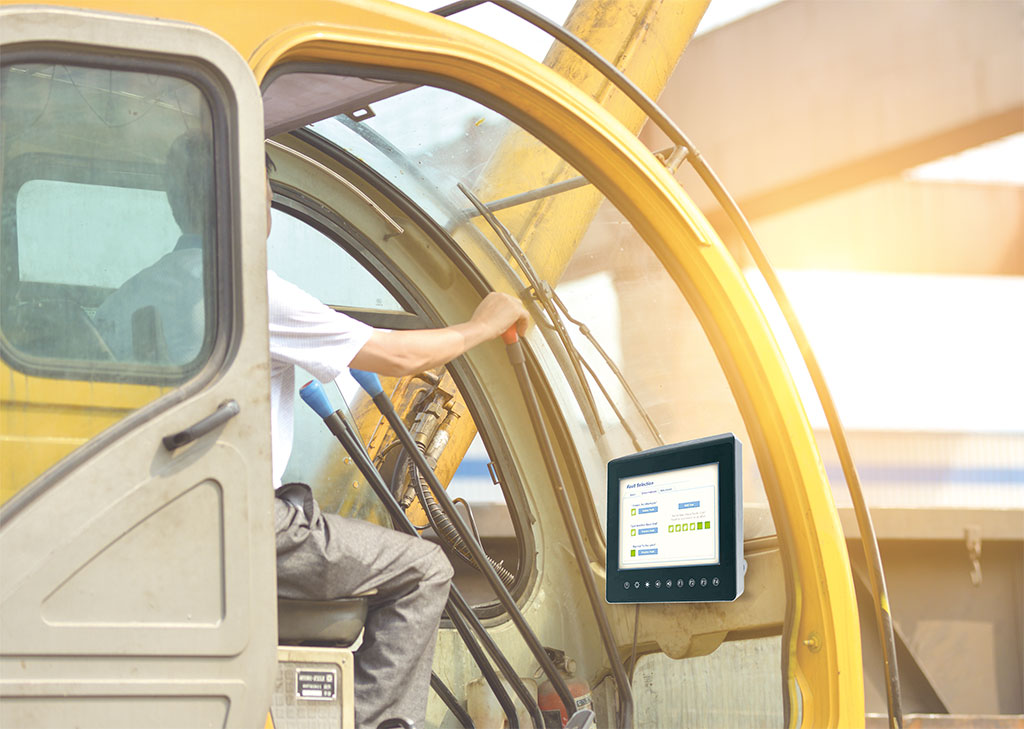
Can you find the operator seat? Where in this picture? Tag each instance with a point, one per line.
(315, 683)
(335, 623)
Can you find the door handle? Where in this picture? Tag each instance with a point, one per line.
(225, 411)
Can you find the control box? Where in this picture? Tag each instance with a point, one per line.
(675, 523)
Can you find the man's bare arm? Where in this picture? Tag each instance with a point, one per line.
(400, 353)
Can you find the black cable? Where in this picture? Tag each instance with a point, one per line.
(517, 358)
(529, 637)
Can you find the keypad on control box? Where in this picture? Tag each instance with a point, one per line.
(678, 589)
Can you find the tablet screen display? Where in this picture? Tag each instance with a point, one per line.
(669, 519)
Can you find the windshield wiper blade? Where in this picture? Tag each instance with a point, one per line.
(585, 331)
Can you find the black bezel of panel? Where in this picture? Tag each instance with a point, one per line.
(722, 582)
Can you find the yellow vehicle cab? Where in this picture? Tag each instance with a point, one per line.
(418, 165)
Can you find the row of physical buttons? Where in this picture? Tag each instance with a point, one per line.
(692, 582)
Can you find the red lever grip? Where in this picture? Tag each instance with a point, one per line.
(511, 336)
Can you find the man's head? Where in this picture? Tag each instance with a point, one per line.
(189, 181)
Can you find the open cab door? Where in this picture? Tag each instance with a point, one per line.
(137, 583)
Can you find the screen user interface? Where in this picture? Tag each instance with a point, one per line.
(669, 518)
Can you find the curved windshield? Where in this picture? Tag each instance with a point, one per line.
(419, 153)
(641, 369)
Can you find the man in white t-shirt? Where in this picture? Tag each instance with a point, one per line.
(326, 556)
(159, 315)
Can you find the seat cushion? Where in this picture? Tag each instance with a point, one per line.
(320, 622)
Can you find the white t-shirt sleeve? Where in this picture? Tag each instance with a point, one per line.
(306, 333)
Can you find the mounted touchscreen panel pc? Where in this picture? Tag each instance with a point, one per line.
(675, 524)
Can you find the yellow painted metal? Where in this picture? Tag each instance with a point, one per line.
(42, 420)
(824, 643)
(405, 393)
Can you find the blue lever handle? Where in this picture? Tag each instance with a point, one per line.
(312, 393)
(368, 381)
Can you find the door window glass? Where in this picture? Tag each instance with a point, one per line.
(301, 254)
(105, 265)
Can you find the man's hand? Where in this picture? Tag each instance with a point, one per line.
(497, 312)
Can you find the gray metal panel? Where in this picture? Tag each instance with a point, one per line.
(138, 588)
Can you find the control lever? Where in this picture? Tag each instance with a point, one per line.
(459, 611)
(371, 384)
(517, 359)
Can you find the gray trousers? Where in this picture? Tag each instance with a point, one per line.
(326, 556)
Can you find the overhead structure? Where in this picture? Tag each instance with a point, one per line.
(806, 102)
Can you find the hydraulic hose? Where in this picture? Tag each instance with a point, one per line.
(371, 384)
(446, 529)
(517, 358)
(312, 394)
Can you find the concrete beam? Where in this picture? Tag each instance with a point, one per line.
(902, 227)
(892, 225)
(805, 98)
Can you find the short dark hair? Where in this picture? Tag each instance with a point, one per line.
(189, 181)
(271, 167)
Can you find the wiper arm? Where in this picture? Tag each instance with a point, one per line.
(554, 308)
(540, 290)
